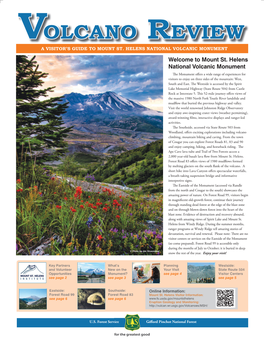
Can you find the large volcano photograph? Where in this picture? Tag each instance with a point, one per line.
(89, 154)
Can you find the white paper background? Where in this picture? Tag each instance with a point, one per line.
(136, 13)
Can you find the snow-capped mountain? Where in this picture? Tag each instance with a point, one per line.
(35, 298)
(107, 104)
(95, 271)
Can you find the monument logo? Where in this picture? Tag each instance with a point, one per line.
(33, 272)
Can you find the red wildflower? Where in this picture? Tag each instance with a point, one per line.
(73, 210)
(81, 206)
(104, 209)
(52, 178)
(130, 205)
(58, 206)
(78, 192)
(18, 180)
(99, 237)
(65, 198)
(118, 217)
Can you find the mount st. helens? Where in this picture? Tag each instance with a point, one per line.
(90, 271)
(109, 124)
(106, 104)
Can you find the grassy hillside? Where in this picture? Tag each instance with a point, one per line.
(137, 123)
(135, 167)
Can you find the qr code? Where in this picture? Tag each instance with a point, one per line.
(225, 298)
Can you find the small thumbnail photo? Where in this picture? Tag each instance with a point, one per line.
(91, 299)
(145, 273)
(32, 298)
(91, 272)
(201, 272)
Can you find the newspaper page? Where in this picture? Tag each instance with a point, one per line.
(136, 153)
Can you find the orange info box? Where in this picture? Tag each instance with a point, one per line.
(127, 286)
(130, 48)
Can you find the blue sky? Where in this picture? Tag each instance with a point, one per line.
(136, 77)
(88, 265)
(24, 293)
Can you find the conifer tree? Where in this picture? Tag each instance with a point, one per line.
(40, 134)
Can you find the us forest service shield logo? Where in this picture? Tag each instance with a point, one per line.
(132, 322)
